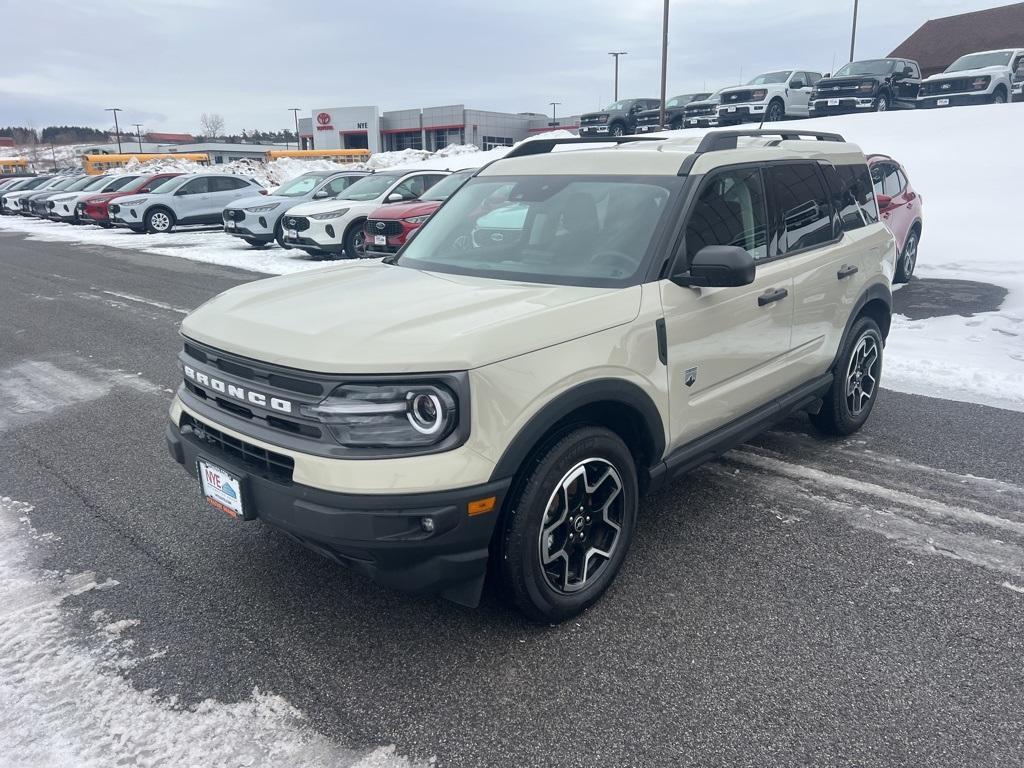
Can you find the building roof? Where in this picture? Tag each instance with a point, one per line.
(183, 138)
(939, 42)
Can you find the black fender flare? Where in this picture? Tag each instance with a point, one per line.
(874, 292)
(607, 390)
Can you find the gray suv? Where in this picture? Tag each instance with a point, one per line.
(257, 220)
(197, 198)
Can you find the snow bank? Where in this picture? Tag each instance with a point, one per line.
(65, 703)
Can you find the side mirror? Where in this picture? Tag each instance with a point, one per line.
(320, 194)
(718, 266)
(884, 202)
(395, 197)
(796, 85)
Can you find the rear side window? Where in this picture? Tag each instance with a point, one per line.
(844, 202)
(730, 211)
(802, 213)
(226, 184)
(886, 179)
(857, 179)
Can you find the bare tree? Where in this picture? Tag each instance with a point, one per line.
(213, 124)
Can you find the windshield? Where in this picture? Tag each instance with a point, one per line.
(446, 186)
(769, 78)
(370, 187)
(82, 183)
(36, 182)
(680, 101)
(980, 61)
(168, 185)
(568, 230)
(618, 106)
(65, 183)
(303, 185)
(872, 67)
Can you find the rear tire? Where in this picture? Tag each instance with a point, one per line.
(159, 221)
(568, 528)
(908, 258)
(856, 378)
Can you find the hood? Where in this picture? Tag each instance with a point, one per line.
(406, 210)
(593, 115)
(323, 206)
(847, 82)
(968, 73)
(256, 200)
(377, 318)
(704, 103)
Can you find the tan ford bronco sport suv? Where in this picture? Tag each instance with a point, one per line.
(572, 328)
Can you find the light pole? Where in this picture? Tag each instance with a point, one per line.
(664, 64)
(554, 120)
(138, 132)
(295, 112)
(117, 131)
(853, 33)
(616, 55)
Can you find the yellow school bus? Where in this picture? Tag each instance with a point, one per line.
(97, 164)
(11, 165)
(337, 155)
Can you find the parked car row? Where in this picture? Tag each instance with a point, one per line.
(987, 77)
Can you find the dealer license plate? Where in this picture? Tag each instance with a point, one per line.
(833, 102)
(221, 489)
(693, 121)
(942, 103)
(292, 234)
(229, 224)
(380, 239)
(732, 109)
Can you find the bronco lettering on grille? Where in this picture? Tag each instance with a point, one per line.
(237, 392)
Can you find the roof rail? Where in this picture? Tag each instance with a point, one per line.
(543, 146)
(720, 140)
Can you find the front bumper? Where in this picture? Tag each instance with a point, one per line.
(741, 113)
(1018, 92)
(953, 100)
(844, 106)
(318, 237)
(254, 225)
(381, 536)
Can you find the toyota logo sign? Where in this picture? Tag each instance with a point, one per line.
(323, 118)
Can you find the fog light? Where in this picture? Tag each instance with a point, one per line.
(427, 524)
(263, 222)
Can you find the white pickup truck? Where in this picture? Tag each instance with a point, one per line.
(977, 78)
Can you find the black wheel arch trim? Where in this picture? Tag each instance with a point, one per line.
(588, 393)
(874, 292)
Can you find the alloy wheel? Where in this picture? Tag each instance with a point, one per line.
(582, 525)
(883, 104)
(910, 256)
(160, 221)
(359, 244)
(862, 374)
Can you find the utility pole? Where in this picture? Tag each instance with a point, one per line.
(138, 132)
(616, 55)
(295, 112)
(853, 33)
(117, 131)
(664, 64)
(554, 120)
(53, 153)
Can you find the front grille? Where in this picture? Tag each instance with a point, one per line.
(841, 90)
(275, 466)
(736, 97)
(654, 119)
(231, 214)
(953, 85)
(594, 120)
(388, 227)
(700, 111)
(298, 223)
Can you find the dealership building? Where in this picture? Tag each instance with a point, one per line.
(429, 128)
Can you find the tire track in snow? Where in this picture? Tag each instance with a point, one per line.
(65, 703)
(961, 517)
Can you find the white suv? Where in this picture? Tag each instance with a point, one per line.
(335, 226)
(197, 198)
(977, 78)
(769, 97)
(570, 330)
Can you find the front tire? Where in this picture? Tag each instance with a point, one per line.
(355, 241)
(617, 129)
(882, 104)
(999, 97)
(159, 221)
(857, 376)
(908, 258)
(569, 527)
(279, 236)
(776, 112)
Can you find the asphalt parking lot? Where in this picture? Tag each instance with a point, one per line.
(802, 601)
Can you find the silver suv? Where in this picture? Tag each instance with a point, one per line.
(570, 330)
(197, 198)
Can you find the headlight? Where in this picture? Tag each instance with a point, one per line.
(329, 214)
(981, 83)
(417, 219)
(867, 86)
(388, 415)
(263, 208)
(759, 95)
(129, 203)
(603, 119)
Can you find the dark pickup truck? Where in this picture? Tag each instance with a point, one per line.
(618, 119)
(875, 85)
(650, 119)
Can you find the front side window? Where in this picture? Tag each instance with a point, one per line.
(803, 215)
(411, 188)
(196, 186)
(729, 211)
(167, 185)
(444, 188)
(980, 61)
(340, 184)
(566, 230)
(370, 187)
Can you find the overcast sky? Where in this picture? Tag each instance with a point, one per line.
(166, 61)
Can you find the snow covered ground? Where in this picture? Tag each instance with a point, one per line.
(66, 703)
(965, 162)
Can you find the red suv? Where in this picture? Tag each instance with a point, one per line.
(900, 208)
(388, 227)
(95, 209)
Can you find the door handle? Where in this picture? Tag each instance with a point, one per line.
(770, 296)
(846, 270)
